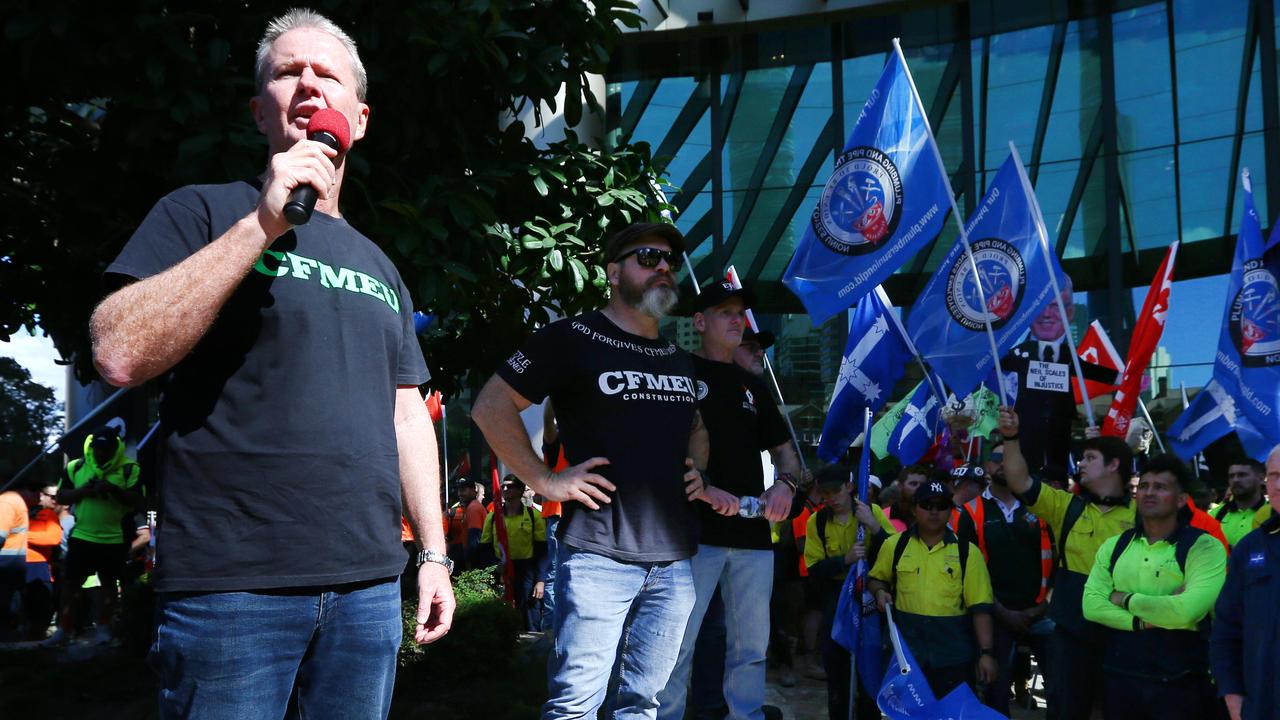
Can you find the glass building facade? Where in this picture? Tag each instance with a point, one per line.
(1134, 118)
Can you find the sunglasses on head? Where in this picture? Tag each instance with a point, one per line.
(649, 257)
(936, 505)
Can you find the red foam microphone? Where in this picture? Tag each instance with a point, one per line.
(326, 126)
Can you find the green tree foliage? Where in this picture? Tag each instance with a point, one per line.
(110, 106)
(29, 415)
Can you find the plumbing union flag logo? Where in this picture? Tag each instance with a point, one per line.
(1002, 275)
(885, 200)
(1253, 317)
(861, 203)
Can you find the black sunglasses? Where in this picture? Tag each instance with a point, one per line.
(936, 506)
(649, 257)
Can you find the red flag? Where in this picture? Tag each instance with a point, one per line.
(1146, 335)
(435, 405)
(1096, 348)
(500, 527)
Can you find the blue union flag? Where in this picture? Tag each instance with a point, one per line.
(886, 199)
(1248, 359)
(948, 322)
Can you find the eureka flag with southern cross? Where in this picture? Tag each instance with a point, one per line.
(918, 425)
(948, 321)
(885, 200)
(1210, 416)
(875, 357)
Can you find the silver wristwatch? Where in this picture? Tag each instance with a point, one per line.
(426, 556)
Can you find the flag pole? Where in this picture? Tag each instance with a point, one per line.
(864, 461)
(955, 211)
(1053, 280)
(1195, 459)
(1150, 423)
(444, 447)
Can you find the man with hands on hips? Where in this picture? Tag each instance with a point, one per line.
(293, 430)
(627, 409)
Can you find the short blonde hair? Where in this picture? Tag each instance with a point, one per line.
(306, 18)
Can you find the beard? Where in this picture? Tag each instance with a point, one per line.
(655, 301)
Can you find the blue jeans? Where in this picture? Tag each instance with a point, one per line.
(745, 578)
(549, 587)
(298, 653)
(624, 617)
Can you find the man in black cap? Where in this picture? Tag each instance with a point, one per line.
(750, 354)
(735, 552)
(627, 409)
(941, 595)
(967, 483)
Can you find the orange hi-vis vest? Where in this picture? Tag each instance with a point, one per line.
(977, 510)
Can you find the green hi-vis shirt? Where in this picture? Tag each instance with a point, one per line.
(929, 581)
(840, 536)
(1162, 595)
(1237, 521)
(521, 533)
(1089, 531)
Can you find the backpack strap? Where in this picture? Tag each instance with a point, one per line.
(824, 515)
(1219, 512)
(1122, 544)
(1185, 540)
(1075, 508)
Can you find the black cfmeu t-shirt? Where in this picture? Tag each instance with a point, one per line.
(278, 463)
(629, 399)
(742, 420)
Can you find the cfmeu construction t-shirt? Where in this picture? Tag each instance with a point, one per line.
(279, 465)
(629, 399)
(742, 420)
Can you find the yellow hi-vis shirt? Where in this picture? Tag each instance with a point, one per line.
(933, 597)
(1089, 531)
(520, 533)
(1261, 516)
(840, 536)
(928, 581)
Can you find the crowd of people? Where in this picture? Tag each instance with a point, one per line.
(668, 536)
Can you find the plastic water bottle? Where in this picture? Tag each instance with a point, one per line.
(750, 507)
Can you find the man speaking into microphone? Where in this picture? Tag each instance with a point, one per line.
(291, 420)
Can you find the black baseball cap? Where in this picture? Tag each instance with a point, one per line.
(931, 490)
(961, 473)
(832, 477)
(764, 339)
(719, 292)
(635, 232)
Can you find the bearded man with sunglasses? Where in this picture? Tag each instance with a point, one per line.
(627, 408)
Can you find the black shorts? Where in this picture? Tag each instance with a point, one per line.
(85, 558)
